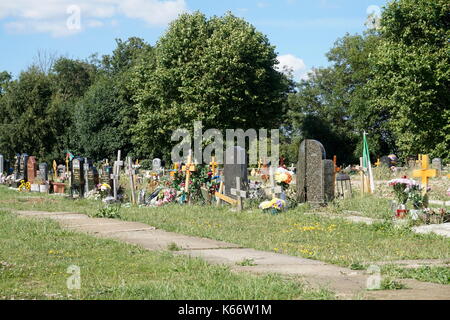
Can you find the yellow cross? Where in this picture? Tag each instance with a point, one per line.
(378, 163)
(54, 170)
(213, 165)
(425, 173)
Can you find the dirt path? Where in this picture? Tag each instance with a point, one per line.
(346, 283)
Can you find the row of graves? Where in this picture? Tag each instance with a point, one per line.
(315, 180)
(232, 184)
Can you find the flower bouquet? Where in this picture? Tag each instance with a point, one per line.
(274, 206)
(283, 177)
(403, 188)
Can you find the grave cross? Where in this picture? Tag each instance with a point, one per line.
(238, 193)
(55, 169)
(425, 173)
(131, 173)
(188, 169)
(273, 189)
(116, 173)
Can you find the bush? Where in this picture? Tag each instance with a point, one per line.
(111, 212)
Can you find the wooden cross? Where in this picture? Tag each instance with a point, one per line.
(188, 168)
(238, 193)
(425, 173)
(116, 173)
(273, 189)
(213, 165)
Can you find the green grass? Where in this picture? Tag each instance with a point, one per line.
(335, 241)
(430, 274)
(35, 255)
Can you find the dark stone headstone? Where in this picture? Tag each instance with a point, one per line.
(77, 180)
(90, 175)
(310, 175)
(31, 169)
(43, 171)
(23, 161)
(106, 175)
(329, 171)
(235, 167)
(386, 161)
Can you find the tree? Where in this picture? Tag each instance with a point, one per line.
(330, 105)
(220, 71)
(28, 124)
(411, 75)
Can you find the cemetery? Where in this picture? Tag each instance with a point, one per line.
(347, 203)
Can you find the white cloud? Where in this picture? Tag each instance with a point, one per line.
(51, 16)
(291, 63)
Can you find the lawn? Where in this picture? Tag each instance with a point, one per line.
(35, 256)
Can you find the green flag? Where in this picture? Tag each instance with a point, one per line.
(366, 162)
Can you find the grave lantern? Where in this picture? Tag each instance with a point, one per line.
(344, 186)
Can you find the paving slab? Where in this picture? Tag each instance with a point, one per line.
(160, 240)
(440, 229)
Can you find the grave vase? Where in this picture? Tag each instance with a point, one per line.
(402, 212)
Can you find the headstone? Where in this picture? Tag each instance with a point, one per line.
(116, 174)
(77, 181)
(235, 168)
(315, 177)
(436, 163)
(2, 163)
(31, 169)
(156, 165)
(386, 161)
(90, 175)
(22, 170)
(43, 171)
(106, 175)
(329, 170)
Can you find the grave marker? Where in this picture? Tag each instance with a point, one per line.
(31, 169)
(43, 171)
(239, 193)
(188, 169)
(77, 177)
(437, 164)
(116, 173)
(425, 173)
(233, 168)
(131, 173)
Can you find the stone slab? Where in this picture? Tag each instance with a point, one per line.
(160, 240)
(108, 227)
(440, 229)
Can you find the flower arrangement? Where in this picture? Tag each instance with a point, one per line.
(283, 177)
(403, 187)
(274, 206)
(104, 190)
(164, 197)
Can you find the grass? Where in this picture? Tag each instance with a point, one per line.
(335, 241)
(439, 275)
(35, 256)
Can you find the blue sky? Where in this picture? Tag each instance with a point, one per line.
(302, 30)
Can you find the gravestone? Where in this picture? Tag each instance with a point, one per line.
(106, 175)
(31, 169)
(77, 181)
(386, 161)
(235, 167)
(90, 175)
(22, 174)
(329, 179)
(2, 164)
(437, 164)
(43, 171)
(156, 165)
(315, 176)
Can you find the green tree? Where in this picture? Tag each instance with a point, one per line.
(28, 124)
(411, 68)
(218, 70)
(330, 106)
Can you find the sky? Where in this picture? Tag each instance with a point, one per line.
(302, 31)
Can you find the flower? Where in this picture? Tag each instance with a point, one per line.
(277, 204)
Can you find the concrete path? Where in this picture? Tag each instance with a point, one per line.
(347, 284)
